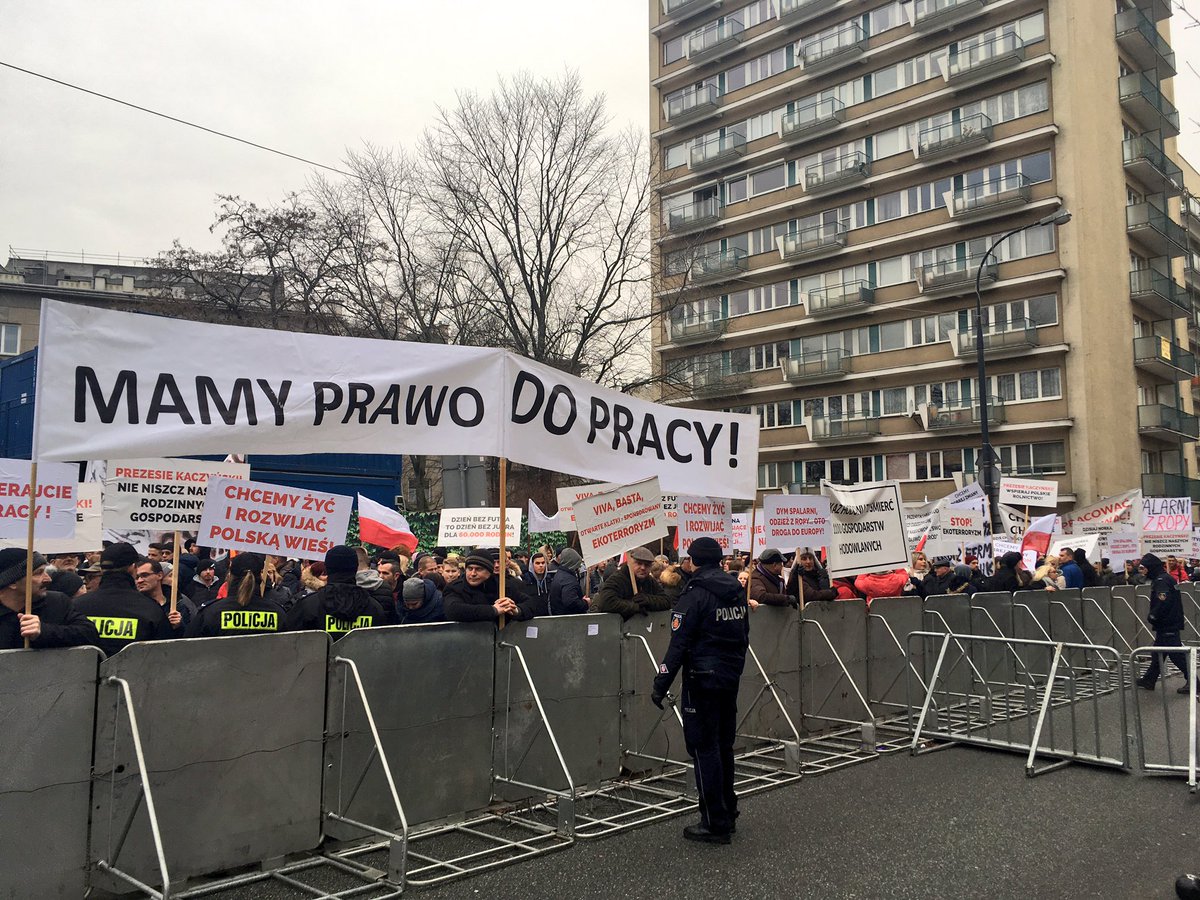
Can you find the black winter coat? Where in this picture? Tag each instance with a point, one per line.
(62, 625)
(710, 632)
(463, 603)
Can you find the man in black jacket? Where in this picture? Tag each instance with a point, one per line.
(616, 594)
(121, 613)
(476, 596)
(341, 605)
(54, 621)
(567, 596)
(1007, 577)
(1166, 618)
(710, 632)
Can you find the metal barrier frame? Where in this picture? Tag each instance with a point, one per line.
(1169, 768)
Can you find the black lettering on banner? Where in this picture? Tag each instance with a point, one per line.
(166, 385)
(673, 426)
(555, 392)
(598, 419)
(707, 441)
(322, 404)
(622, 423)
(277, 400)
(206, 389)
(126, 386)
(524, 378)
(389, 407)
(649, 438)
(456, 412)
(358, 395)
(432, 409)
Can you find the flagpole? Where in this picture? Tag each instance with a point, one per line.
(33, 480)
(750, 561)
(503, 530)
(175, 572)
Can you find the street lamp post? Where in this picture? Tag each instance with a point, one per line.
(987, 464)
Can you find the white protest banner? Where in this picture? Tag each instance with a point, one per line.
(270, 518)
(741, 533)
(1195, 543)
(1000, 547)
(1028, 492)
(540, 523)
(54, 506)
(968, 496)
(1172, 514)
(569, 496)
(796, 521)
(619, 520)
(88, 533)
(1119, 512)
(956, 529)
(868, 528)
(670, 508)
(1015, 522)
(160, 494)
(705, 517)
(1166, 543)
(918, 527)
(479, 527)
(1088, 543)
(109, 391)
(1120, 546)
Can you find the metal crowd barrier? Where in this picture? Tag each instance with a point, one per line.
(1174, 731)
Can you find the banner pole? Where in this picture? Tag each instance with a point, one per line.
(175, 572)
(632, 577)
(750, 561)
(799, 570)
(33, 480)
(503, 529)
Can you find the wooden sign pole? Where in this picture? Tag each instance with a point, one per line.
(175, 572)
(503, 530)
(33, 481)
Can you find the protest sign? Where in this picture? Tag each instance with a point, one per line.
(270, 518)
(103, 375)
(160, 494)
(1120, 546)
(967, 496)
(569, 496)
(796, 521)
(1028, 492)
(1172, 514)
(1088, 543)
(1167, 543)
(670, 508)
(741, 533)
(88, 533)
(1195, 544)
(478, 527)
(955, 529)
(705, 517)
(1000, 547)
(539, 522)
(1121, 512)
(867, 528)
(53, 508)
(616, 521)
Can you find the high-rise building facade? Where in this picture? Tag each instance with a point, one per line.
(831, 174)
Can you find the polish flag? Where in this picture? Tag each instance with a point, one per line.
(384, 527)
(1036, 540)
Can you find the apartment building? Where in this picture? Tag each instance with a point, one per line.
(831, 174)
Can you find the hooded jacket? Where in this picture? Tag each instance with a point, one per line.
(616, 595)
(883, 584)
(566, 593)
(463, 603)
(1166, 606)
(337, 608)
(432, 608)
(816, 584)
(1007, 578)
(710, 631)
(1072, 573)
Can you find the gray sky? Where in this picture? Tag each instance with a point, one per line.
(310, 78)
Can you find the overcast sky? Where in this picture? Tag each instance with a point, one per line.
(79, 173)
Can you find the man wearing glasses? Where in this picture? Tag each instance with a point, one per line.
(150, 582)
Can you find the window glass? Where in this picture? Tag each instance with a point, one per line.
(1050, 383)
(898, 466)
(1029, 385)
(1036, 167)
(1043, 310)
(891, 336)
(735, 190)
(673, 50)
(895, 401)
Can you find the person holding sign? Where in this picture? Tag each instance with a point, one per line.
(476, 596)
(340, 605)
(766, 581)
(815, 587)
(246, 610)
(710, 633)
(54, 621)
(120, 612)
(149, 580)
(617, 594)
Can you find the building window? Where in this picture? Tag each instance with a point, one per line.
(10, 340)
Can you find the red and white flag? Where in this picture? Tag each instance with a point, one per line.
(384, 527)
(1036, 540)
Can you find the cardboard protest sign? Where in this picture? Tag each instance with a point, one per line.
(270, 518)
(619, 520)
(796, 521)
(569, 496)
(956, 528)
(1028, 492)
(161, 494)
(741, 533)
(1167, 543)
(1120, 546)
(1121, 512)
(478, 527)
(868, 528)
(1088, 543)
(1172, 514)
(114, 393)
(1000, 547)
(671, 508)
(968, 496)
(1195, 543)
(88, 533)
(705, 517)
(53, 507)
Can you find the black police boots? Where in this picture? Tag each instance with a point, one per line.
(1187, 887)
(701, 833)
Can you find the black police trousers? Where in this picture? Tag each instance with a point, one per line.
(709, 727)
(1166, 639)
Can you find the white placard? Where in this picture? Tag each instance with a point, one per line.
(705, 517)
(569, 496)
(741, 533)
(1165, 543)
(160, 494)
(1171, 514)
(88, 533)
(868, 528)
(1001, 547)
(1028, 492)
(1088, 543)
(619, 520)
(478, 527)
(1120, 546)
(670, 508)
(54, 506)
(540, 523)
(271, 518)
(796, 521)
(1121, 512)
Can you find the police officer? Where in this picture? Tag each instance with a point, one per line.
(120, 612)
(710, 631)
(246, 610)
(341, 605)
(1166, 618)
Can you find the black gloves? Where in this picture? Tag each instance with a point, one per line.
(657, 699)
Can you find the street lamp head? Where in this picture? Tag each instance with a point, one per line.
(1060, 216)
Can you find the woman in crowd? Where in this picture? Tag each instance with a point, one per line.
(244, 609)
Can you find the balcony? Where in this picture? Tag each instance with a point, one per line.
(717, 265)
(812, 367)
(715, 41)
(696, 331)
(1156, 10)
(796, 12)
(1165, 484)
(1154, 231)
(831, 430)
(1139, 38)
(812, 121)
(833, 51)
(1019, 337)
(1159, 293)
(955, 276)
(985, 59)
(693, 105)
(964, 418)
(716, 382)
(812, 243)
(1189, 212)
(932, 15)
(1163, 358)
(717, 152)
(1146, 162)
(1167, 423)
(1144, 103)
(994, 197)
(695, 216)
(845, 170)
(679, 10)
(848, 298)
(954, 139)
(1191, 277)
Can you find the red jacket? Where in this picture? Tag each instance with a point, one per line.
(885, 584)
(1179, 573)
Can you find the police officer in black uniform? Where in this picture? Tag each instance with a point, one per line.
(1166, 618)
(247, 610)
(120, 612)
(710, 631)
